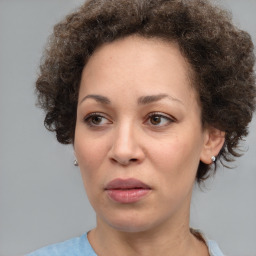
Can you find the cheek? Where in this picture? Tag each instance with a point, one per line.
(90, 154)
(176, 166)
(177, 159)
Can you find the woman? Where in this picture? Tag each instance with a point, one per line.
(152, 94)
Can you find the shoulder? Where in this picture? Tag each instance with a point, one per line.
(213, 248)
(78, 246)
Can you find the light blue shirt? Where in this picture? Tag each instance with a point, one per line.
(80, 246)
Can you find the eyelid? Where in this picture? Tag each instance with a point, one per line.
(162, 115)
(87, 119)
(93, 114)
(170, 119)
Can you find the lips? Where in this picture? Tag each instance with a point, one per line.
(127, 190)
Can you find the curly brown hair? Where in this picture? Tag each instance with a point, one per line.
(220, 55)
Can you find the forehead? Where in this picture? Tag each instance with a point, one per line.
(135, 47)
(138, 63)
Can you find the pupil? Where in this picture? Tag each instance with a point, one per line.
(96, 119)
(156, 119)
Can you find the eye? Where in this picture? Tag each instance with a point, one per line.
(96, 119)
(159, 119)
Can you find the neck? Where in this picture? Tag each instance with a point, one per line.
(167, 240)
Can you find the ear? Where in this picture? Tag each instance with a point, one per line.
(213, 142)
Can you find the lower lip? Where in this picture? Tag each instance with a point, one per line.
(127, 196)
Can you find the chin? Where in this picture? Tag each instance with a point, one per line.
(131, 223)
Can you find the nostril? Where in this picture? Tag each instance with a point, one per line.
(122, 162)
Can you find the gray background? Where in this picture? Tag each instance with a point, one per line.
(42, 199)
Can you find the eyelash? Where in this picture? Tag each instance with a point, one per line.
(89, 122)
(88, 119)
(161, 115)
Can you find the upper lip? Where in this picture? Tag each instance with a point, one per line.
(126, 184)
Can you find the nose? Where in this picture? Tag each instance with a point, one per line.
(126, 147)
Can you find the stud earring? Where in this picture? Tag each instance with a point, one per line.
(75, 163)
(213, 159)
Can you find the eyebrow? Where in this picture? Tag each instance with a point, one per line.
(153, 98)
(143, 100)
(98, 98)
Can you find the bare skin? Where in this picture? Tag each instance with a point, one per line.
(159, 242)
(138, 117)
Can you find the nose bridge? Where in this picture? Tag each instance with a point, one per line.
(126, 147)
(125, 136)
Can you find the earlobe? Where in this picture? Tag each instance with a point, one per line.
(213, 142)
(75, 162)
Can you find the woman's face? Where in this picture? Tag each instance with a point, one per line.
(138, 136)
